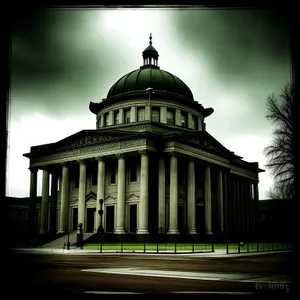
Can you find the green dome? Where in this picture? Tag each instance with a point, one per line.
(139, 80)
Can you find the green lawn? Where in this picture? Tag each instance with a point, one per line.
(170, 247)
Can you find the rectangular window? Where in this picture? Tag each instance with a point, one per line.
(113, 174)
(183, 119)
(170, 117)
(127, 115)
(133, 171)
(155, 114)
(141, 113)
(116, 117)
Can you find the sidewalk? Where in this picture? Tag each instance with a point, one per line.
(78, 251)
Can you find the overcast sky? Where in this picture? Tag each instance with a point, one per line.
(62, 59)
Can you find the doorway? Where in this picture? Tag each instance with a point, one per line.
(133, 218)
(180, 218)
(90, 215)
(200, 219)
(110, 218)
(75, 218)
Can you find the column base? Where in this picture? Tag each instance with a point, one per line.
(192, 231)
(173, 231)
(61, 231)
(120, 231)
(143, 231)
(42, 231)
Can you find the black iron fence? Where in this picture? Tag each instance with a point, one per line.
(175, 247)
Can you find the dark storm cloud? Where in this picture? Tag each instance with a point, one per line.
(248, 53)
(234, 40)
(58, 55)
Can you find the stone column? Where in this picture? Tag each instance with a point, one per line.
(64, 199)
(256, 208)
(121, 115)
(191, 204)
(32, 195)
(208, 221)
(121, 195)
(249, 209)
(235, 212)
(163, 114)
(45, 200)
(225, 203)
(199, 124)
(143, 203)
(178, 117)
(100, 188)
(190, 121)
(53, 203)
(220, 201)
(81, 195)
(102, 120)
(161, 195)
(229, 204)
(173, 215)
(133, 115)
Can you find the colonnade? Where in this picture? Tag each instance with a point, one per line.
(230, 194)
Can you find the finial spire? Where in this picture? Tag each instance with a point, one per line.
(150, 39)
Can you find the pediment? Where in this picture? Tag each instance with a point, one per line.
(206, 141)
(90, 137)
(132, 197)
(91, 196)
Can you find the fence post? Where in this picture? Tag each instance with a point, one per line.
(247, 247)
(257, 246)
(144, 243)
(227, 248)
(212, 247)
(175, 247)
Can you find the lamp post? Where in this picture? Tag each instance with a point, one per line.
(150, 90)
(100, 212)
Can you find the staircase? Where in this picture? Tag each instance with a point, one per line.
(61, 241)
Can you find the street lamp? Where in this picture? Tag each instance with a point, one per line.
(150, 90)
(100, 212)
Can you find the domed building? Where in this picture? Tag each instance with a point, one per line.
(149, 167)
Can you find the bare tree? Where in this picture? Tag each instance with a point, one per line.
(281, 152)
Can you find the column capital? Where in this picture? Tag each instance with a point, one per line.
(144, 152)
(192, 159)
(81, 162)
(173, 154)
(100, 158)
(33, 169)
(45, 168)
(120, 155)
(64, 164)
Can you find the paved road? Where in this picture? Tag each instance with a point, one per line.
(59, 274)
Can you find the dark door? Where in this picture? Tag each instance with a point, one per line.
(180, 218)
(75, 218)
(133, 217)
(90, 220)
(110, 218)
(200, 219)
